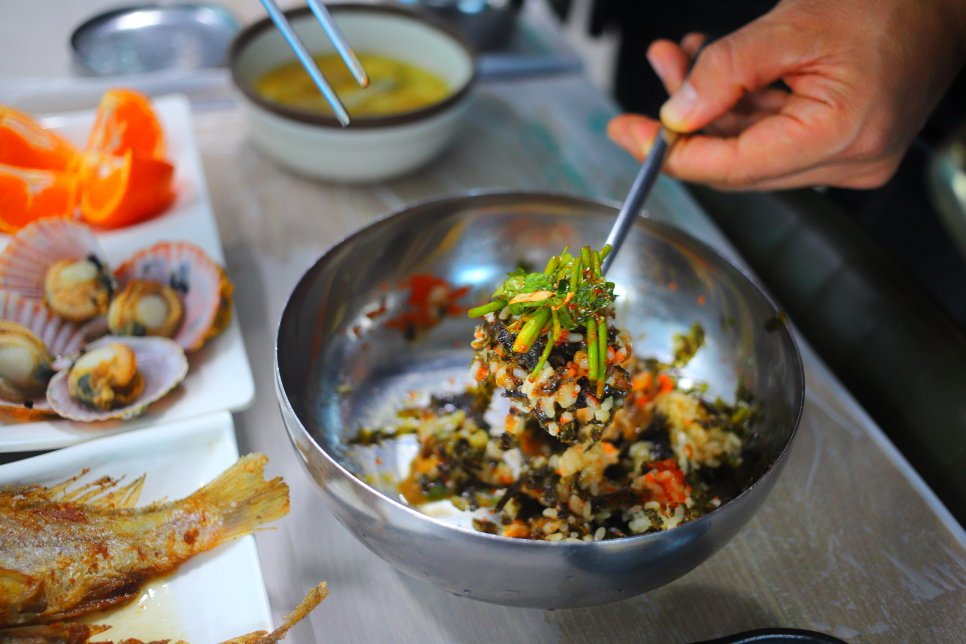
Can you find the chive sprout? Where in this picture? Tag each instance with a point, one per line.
(602, 350)
(492, 307)
(571, 294)
(593, 351)
(530, 331)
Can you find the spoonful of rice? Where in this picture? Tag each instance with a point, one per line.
(545, 339)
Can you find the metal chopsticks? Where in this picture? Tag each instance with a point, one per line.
(341, 46)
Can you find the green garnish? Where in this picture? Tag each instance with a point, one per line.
(684, 346)
(492, 307)
(570, 294)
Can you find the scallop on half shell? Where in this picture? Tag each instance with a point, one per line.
(58, 261)
(31, 339)
(172, 289)
(117, 377)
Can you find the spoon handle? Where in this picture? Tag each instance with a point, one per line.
(641, 187)
(644, 181)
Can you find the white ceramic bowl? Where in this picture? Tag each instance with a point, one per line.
(369, 149)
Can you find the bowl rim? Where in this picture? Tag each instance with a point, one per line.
(623, 542)
(249, 33)
(81, 30)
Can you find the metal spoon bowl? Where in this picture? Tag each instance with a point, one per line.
(338, 368)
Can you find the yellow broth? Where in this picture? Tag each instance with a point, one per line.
(395, 87)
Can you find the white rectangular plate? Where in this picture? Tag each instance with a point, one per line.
(219, 376)
(214, 596)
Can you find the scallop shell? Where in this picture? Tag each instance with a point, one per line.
(60, 336)
(25, 260)
(161, 362)
(203, 285)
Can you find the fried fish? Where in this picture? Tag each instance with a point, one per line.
(81, 633)
(50, 634)
(65, 552)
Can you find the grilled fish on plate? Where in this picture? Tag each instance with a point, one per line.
(67, 633)
(65, 552)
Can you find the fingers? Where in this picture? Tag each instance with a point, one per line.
(637, 133)
(857, 175)
(840, 124)
(691, 43)
(670, 63)
(751, 109)
(758, 157)
(802, 135)
(749, 59)
(634, 133)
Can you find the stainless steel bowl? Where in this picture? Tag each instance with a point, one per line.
(666, 280)
(151, 38)
(488, 24)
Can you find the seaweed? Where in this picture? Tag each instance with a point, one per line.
(684, 346)
(570, 294)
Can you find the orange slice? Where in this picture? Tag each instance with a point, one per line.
(27, 194)
(25, 144)
(125, 121)
(119, 191)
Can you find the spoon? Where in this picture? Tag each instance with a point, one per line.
(643, 183)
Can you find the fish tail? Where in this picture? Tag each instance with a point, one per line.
(244, 498)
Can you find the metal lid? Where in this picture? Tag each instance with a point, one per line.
(150, 38)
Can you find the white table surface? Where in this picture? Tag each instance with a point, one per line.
(850, 542)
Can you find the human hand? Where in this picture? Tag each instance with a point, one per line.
(863, 75)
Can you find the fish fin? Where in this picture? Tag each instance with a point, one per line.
(39, 492)
(244, 498)
(59, 491)
(57, 633)
(103, 494)
(22, 598)
(106, 592)
(313, 599)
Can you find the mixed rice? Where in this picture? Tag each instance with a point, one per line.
(596, 444)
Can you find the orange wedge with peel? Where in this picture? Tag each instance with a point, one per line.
(28, 194)
(25, 144)
(126, 121)
(120, 190)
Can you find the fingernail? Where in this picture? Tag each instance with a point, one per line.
(677, 109)
(656, 64)
(643, 146)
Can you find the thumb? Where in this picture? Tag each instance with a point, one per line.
(748, 59)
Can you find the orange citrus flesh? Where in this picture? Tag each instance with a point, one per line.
(28, 194)
(119, 191)
(120, 180)
(25, 144)
(125, 121)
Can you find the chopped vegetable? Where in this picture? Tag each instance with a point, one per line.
(574, 289)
